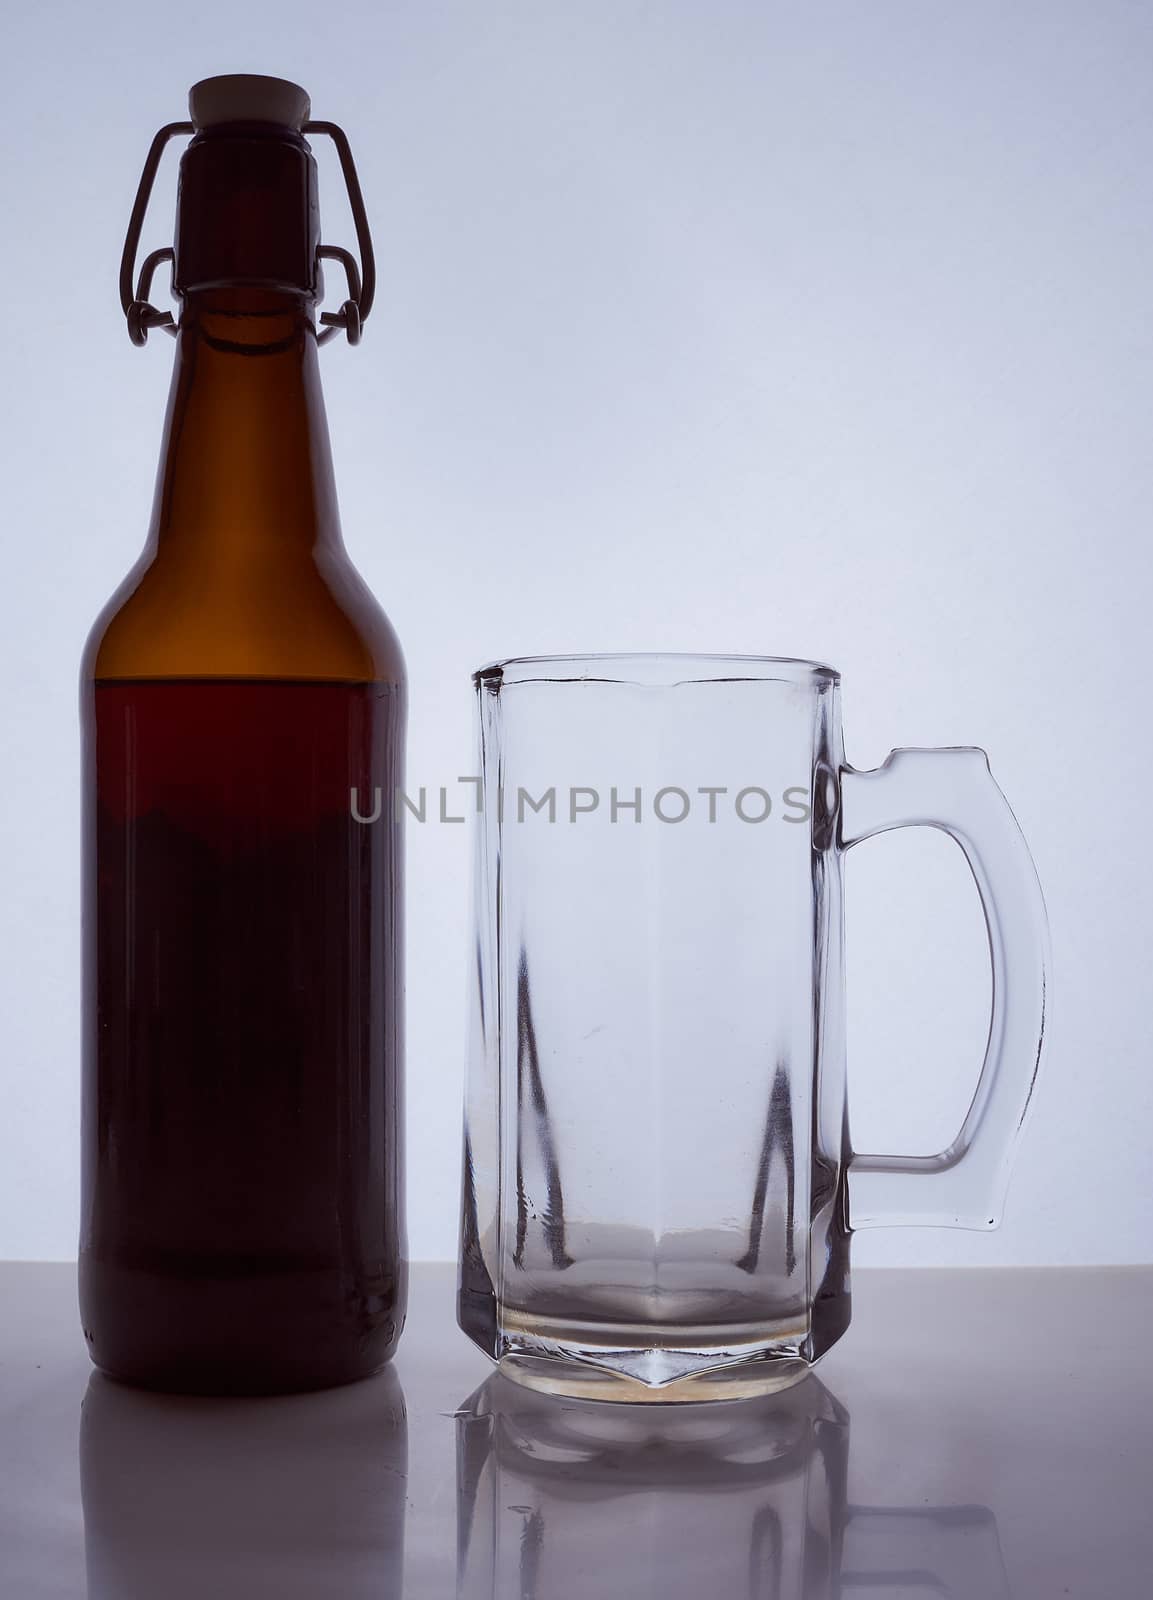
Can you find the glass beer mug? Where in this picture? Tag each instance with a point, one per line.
(659, 1185)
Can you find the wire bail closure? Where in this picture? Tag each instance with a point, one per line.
(142, 316)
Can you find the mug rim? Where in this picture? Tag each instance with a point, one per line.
(654, 669)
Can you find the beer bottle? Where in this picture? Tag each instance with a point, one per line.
(242, 709)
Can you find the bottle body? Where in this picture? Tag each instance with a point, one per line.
(243, 710)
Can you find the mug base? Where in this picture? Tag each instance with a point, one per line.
(587, 1379)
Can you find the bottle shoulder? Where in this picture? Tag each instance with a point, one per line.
(308, 615)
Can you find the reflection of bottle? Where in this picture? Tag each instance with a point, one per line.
(243, 724)
(575, 1500)
(232, 1500)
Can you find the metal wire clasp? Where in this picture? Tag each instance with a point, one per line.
(142, 315)
(362, 285)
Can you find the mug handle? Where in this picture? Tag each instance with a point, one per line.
(953, 789)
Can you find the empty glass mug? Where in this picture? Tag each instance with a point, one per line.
(659, 1185)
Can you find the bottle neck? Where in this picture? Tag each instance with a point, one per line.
(246, 466)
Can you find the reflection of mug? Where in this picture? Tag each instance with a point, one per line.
(923, 1553)
(659, 1184)
(742, 1501)
(233, 1499)
(578, 1500)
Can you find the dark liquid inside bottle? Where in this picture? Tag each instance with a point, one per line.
(242, 1172)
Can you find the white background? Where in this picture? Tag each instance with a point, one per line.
(815, 329)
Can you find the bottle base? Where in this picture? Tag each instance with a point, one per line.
(241, 1386)
(283, 1333)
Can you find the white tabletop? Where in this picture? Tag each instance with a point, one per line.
(978, 1434)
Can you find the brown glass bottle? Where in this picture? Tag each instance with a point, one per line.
(242, 707)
